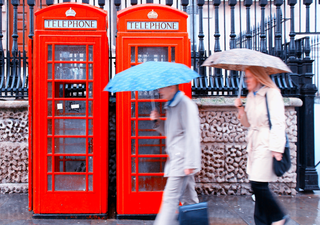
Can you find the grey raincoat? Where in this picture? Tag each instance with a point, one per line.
(182, 131)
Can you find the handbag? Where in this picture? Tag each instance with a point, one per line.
(282, 166)
(195, 214)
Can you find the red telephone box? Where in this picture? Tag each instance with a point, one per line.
(70, 110)
(149, 32)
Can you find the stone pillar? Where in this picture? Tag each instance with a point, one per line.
(307, 174)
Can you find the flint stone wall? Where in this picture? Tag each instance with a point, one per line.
(224, 155)
(14, 146)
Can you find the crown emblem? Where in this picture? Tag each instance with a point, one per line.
(152, 15)
(70, 12)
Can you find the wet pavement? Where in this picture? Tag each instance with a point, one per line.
(303, 209)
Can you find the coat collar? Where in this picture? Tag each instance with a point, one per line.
(262, 91)
(176, 100)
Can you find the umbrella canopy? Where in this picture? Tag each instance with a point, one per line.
(150, 76)
(241, 58)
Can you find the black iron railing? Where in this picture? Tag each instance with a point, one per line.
(216, 25)
(270, 36)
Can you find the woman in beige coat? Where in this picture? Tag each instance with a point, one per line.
(263, 143)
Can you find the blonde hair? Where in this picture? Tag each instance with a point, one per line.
(262, 77)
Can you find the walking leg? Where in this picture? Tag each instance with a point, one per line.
(190, 195)
(170, 202)
(267, 209)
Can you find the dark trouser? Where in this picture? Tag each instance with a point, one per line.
(267, 209)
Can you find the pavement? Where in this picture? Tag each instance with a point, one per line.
(303, 209)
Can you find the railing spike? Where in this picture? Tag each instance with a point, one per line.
(263, 43)
(184, 4)
(117, 3)
(1, 35)
(101, 3)
(201, 51)
(2, 62)
(292, 34)
(15, 36)
(134, 2)
(169, 2)
(247, 4)
(31, 16)
(49, 2)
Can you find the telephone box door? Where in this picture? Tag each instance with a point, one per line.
(145, 152)
(72, 126)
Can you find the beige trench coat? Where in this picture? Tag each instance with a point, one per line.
(261, 140)
(182, 131)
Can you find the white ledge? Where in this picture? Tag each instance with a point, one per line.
(2, 185)
(201, 102)
(13, 104)
(229, 101)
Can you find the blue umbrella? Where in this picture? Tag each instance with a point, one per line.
(151, 75)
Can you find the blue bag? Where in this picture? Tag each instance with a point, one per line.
(195, 214)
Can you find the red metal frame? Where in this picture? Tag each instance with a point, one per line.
(30, 141)
(129, 199)
(46, 201)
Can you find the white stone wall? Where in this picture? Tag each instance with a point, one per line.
(224, 155)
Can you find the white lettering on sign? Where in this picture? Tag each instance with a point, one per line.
(153, 25)
(76, 106)
(67, 24)
(59, 106)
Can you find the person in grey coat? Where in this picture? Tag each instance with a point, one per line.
(182, 131)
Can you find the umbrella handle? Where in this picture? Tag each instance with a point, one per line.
(240, 85)
(153, 105)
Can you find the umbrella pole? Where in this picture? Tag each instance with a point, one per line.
(240, 85)
(153, 105)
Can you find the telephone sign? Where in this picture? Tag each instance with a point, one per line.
(155, 25)
(69, 24)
